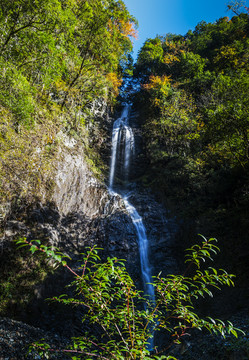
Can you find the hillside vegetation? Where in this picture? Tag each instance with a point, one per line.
(61, 68)
(194, 106)
(60, 62)
(195, 90)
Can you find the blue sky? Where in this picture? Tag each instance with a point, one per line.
(159, 17)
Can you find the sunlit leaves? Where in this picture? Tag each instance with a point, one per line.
(227, 112)
(129, 30)
(149, 57)
(112, 304)
(114, 81)
(192, 64)
(176, 126)
(58, 59)
(56, 41)
(159, 86)
(199, 253)
(173, 50)
(196, 126)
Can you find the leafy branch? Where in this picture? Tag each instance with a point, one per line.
(114, 307)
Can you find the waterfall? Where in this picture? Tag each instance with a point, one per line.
(143, 249)
(123, 148)
(121, 133)
(129, 150)
(115, 136)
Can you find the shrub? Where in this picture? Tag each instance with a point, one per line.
(123, 328)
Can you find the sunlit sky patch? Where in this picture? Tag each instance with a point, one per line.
(159, 17)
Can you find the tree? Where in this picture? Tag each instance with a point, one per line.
(67, 47)
(58, 59)
(192, 65)
(123, 328)
(236, 6)
(149, 58)
(227, 119)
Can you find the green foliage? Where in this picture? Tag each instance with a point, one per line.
(227, 113)
(74, 44)
(25, 166)
(114, 308)
(58, 58)
(149, 57)
(16, 94)
(196, 123)
(192, 64)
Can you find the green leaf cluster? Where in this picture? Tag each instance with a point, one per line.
(59, 59)
(119, 324)
(196, 132)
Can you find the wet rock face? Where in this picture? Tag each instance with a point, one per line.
(121, 242)
(76, 189)
(161, 230)
(80, 212)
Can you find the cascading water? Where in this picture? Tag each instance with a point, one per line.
(143, 249)
(122, 134)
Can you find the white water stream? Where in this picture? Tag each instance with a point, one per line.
(123, 148)
(143, 249)
(121, 133)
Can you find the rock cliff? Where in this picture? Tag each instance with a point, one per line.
(78, 212)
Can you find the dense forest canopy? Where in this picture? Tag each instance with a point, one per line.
(195, 98)
(58, 59)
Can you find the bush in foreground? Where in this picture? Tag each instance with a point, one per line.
(123, 320)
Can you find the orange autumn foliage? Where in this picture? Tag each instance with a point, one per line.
(125, 28)
(128, 29)
(157, 82)
(115, 81)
